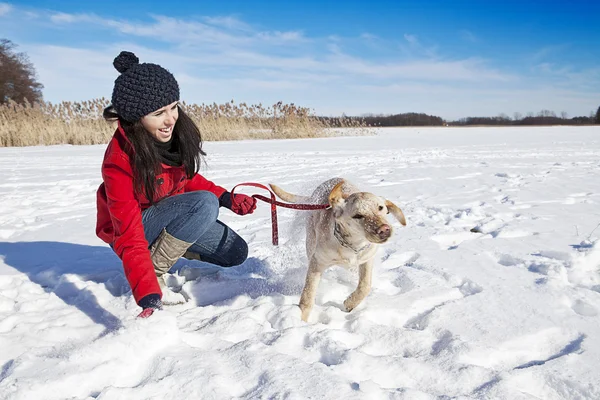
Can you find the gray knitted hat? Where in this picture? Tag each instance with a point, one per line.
(141, 88)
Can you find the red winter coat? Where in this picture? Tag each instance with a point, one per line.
(120, 210)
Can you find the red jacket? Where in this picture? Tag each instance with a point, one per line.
(120, 211)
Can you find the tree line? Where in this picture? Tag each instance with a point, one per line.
(544, 117)
(18, 84)
(407, 119)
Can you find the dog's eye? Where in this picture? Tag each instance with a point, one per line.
(357, 216)
(380, 208)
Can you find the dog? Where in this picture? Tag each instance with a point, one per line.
(346, 234)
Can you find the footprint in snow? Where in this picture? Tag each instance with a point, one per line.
(451, 241)
(392, 259)
(584, 308)
(578, 198)
(425, 306)
(421, 320)
(513, 234)
(526, 351)
(466, 176)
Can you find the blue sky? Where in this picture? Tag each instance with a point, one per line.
(447, 58)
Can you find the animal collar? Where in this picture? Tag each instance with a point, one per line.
(341, 238)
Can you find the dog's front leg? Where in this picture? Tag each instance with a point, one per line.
(363, 288)
(310, 289)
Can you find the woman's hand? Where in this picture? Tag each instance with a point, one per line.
(149, 303)
(242, 205)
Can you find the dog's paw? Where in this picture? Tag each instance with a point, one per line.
(305, 312)
(347, 306)
(350, 304)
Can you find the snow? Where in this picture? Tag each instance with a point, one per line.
(492, 291)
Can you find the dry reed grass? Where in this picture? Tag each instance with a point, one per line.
(81, 123)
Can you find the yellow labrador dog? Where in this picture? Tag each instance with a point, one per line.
(347, 235)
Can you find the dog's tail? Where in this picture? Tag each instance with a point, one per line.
(289, 197)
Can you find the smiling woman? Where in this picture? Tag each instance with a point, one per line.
(160, 123)
(153, 206)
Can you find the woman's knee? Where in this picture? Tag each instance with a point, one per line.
(205, 205)
(237, 254)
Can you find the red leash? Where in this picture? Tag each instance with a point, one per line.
(274, 203)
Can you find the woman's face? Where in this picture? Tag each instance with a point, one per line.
(160, 123)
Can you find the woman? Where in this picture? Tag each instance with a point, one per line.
(153, 206)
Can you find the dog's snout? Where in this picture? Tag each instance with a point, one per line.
(384, 231)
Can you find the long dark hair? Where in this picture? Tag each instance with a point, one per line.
(145, 161)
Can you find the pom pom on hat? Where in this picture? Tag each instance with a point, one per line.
(125, 60)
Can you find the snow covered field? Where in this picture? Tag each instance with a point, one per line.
(511, 311)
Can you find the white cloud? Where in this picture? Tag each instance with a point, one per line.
(415, 49)
(549, 69)
(468, 36)
(218, 30)
(5, 8)
(442, 100)
(64, 18)
(328, 87)
(31, 15)
(217, 59)
(92, 76)
(566, 76)
(277, 36)
(412, 39)
(273, 77)
(469, 70)
(228, 22)
(368, 36)
(546, 52)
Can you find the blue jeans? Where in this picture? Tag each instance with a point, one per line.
(192, 217)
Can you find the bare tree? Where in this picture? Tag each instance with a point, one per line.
(546, 113)
(18, 80)
(517, 116)
(564, 115)
(598, 116)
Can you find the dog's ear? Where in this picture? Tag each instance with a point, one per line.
(337, 198)
(396, 212)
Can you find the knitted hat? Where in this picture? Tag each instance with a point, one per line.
(141, 88)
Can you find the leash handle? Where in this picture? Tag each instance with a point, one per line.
(274, 203)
